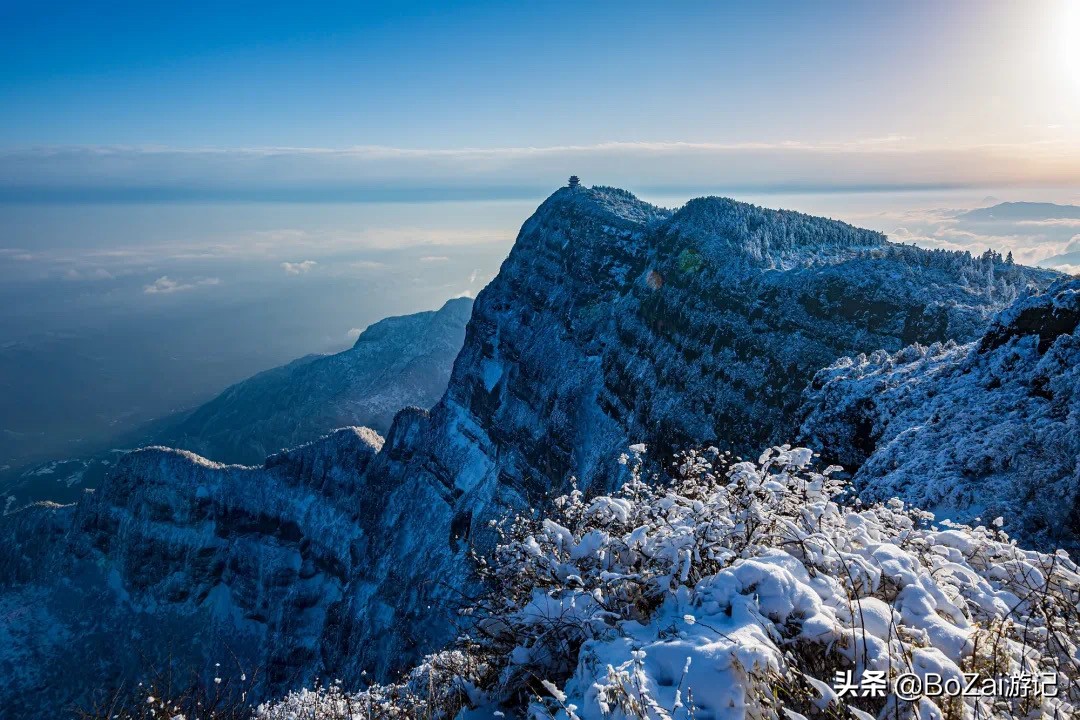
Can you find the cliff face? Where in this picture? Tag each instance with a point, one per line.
(986, 429)
(612, 322)
(179, 557)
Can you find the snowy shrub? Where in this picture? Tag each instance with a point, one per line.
(438, 688)
(740, 590)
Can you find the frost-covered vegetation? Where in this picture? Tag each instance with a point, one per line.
(737, 590)
(984, 429)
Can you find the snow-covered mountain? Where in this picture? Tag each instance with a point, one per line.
(990, 428)
(396, 363)
(179, 557)
(612, 322)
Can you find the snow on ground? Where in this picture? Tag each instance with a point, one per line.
(742, 590)
(985, 429)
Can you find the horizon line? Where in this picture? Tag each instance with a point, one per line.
(389, 193)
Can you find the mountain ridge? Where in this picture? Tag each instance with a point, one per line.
(1023, 211)
(396, 362)
(609, 324)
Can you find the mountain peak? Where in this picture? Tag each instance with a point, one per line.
(457, 304)
(1016, 211)
(407, 324)
(601, 200)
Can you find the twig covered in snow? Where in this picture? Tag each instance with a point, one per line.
(741, 589)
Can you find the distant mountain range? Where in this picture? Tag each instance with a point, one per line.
(613, 322)
(1042, 226)
(395, 363)
(1015, 211)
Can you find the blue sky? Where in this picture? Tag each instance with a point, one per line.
(448, 75)
(200, 191)
(769, 93)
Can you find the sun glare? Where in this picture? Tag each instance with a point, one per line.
(1069, 39)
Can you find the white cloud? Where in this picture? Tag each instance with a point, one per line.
(325, 250)
(353, 334)
(88, 274)
(408, 173)
(469, 292)
(367, 265)
(165, 285)
(1032, 241)
(298, 268)
(1052, 222)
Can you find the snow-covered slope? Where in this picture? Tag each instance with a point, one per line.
(612, 322)
(990, 428)
(179, 558)
(396, 363)
(742, 590)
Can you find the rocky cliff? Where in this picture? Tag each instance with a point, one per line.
(615, 322)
